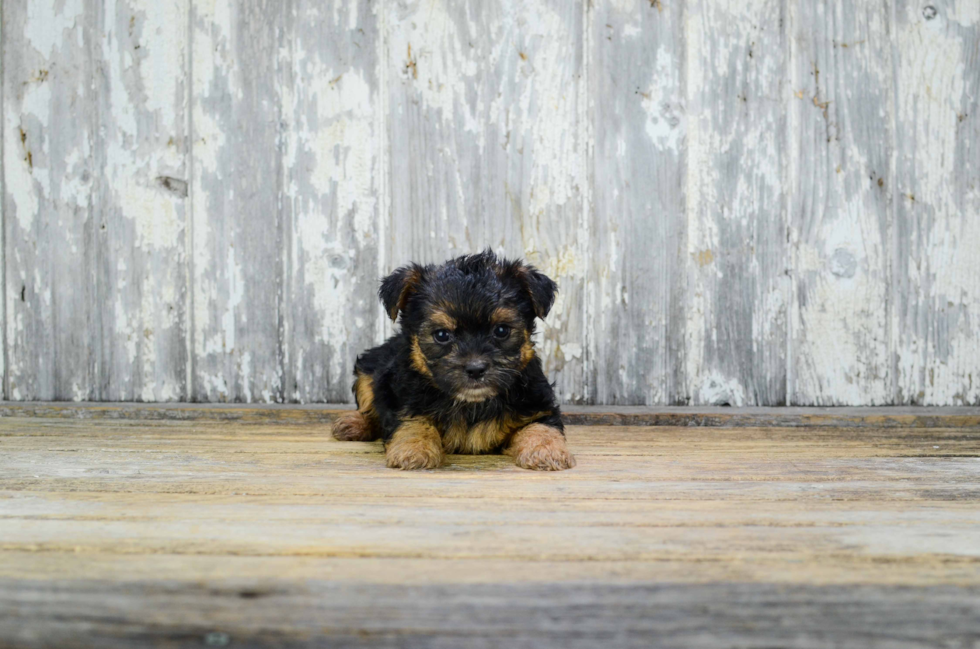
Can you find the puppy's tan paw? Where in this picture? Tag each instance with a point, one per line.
(415, 445)
(354, 427)
(412, 459)
(541, 448)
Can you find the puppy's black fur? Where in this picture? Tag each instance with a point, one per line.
(463, 362)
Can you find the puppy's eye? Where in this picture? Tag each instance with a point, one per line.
(501, 332)
(442, 336)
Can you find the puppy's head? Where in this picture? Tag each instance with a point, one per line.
(469, 321)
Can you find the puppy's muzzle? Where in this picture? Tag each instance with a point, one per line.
(476, 368)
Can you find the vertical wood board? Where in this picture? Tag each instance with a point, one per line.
(487, 149)
(935, 298)
(51, 157)
(637, 247)
(333, 153)
(141, 199)
(842, 142)
(737, 311)
(237, 230)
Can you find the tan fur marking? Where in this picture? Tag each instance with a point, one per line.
(527, 350)
(363, 425)
(454, 437)
(415, 445)
(541, 448)
(354, 427)
(410, 282)
(485, 436)
(418, 358)
(515, 423)
(443, 320)
(443, 305)
(505, 314)
(364, 393)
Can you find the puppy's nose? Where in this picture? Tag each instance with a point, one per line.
(475, 369)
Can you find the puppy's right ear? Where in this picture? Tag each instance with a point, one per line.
(538, 286)
(398, 287)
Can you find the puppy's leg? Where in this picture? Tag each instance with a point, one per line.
(416, 444)
(353, 427)
(361, 425)
(540, 447)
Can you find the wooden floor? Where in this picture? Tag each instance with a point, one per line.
(122, 533)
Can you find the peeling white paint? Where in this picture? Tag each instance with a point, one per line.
(332, 171)
(158, 225)
(236, 292)
(665, 116)
(937, 353)
(162, 64)
(437, 60)
(735, 200)
(839, 331)
(344, 147)
(495, 106)
(47, 20)
(19, 180)
(718, 390)
(965, 12)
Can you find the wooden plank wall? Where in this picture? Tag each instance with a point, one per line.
(746, 202)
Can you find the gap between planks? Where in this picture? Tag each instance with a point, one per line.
(715, 416)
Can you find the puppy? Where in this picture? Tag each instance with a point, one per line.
(461, 376)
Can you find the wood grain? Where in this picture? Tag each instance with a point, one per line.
(861, 417)
(95, 114)
(487, 149)
(840, 225)
(160, 533)
(327, 614)
(934, 300)
(237, 179)
(142, 200)
(737, 311)
(333, 154)
(638, 275)
(54, 239)
(751, 203)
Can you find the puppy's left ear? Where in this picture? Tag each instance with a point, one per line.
(398, 287)
(539, 287)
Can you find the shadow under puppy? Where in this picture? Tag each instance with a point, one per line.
(461, 376)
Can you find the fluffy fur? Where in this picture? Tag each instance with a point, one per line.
(461, 375)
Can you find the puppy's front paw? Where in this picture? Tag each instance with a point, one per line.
(354, 427)
(541, 448)
(415, 445)
(413, 458)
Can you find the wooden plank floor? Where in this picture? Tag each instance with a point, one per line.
(123, 533)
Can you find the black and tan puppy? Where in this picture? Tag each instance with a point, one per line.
(461, 376)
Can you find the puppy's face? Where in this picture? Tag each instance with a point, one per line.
(469, 321)
(472, 351)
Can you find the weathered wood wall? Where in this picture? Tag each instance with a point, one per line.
(744, 201)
